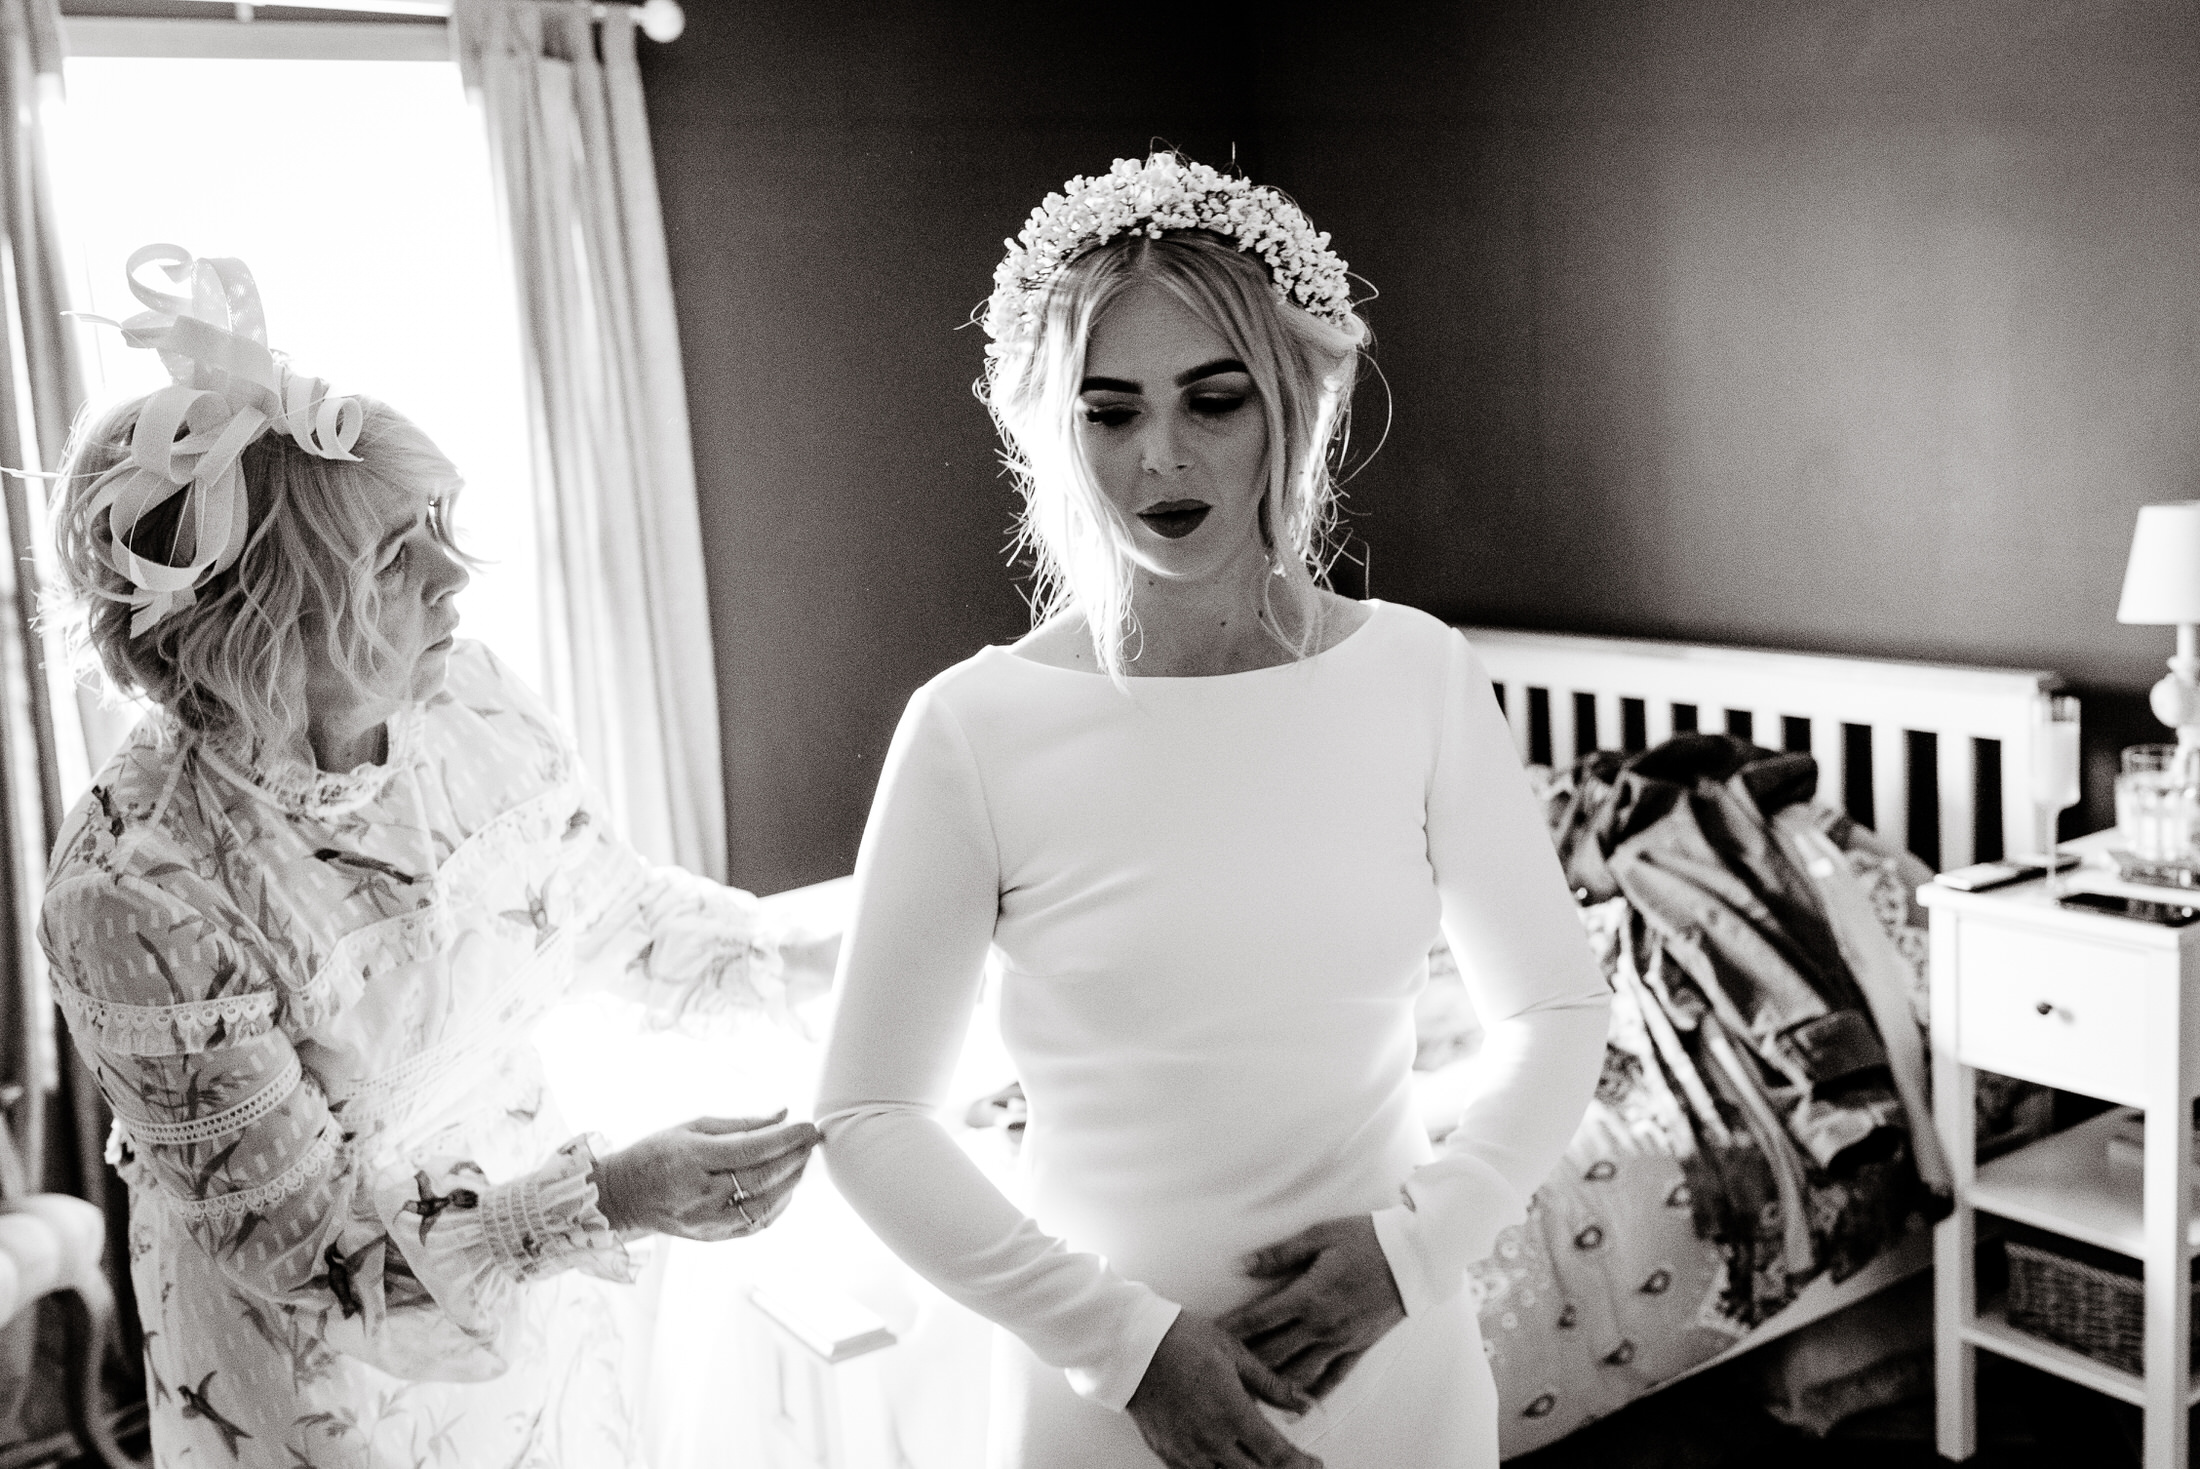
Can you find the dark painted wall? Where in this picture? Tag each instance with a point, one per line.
(837, 180)
(1852, 327)
(1860, 328)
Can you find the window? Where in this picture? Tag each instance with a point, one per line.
(359, 192)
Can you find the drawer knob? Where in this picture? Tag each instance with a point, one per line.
(2044, 1007)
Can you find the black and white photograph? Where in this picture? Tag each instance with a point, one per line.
(821, 734)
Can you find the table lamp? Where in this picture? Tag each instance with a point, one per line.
(2162, 585)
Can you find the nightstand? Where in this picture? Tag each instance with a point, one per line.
(2086, 1003)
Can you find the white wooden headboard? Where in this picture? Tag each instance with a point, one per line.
(1956, 738)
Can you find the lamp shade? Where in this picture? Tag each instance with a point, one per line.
(2162, 579)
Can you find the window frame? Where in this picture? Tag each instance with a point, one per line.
(257, 40)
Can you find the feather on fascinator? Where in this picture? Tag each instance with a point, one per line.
(228, 390)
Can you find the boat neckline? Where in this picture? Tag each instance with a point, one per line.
(1374, 605)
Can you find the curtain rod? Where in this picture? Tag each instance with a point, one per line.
(660, 20)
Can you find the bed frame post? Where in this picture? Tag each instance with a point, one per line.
(1955, 1239)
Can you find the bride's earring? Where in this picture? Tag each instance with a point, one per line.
(1269, 550)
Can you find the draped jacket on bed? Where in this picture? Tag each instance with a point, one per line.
(1684, 833)
(1781, 1056)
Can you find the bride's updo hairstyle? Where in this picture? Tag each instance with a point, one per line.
(232, 662)
(1303, 362)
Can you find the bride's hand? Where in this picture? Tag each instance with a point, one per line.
(1195, 1403)
(1335, 1299)
(711, 1179)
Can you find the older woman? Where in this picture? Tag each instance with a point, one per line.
(301, 926)
(1211, 818)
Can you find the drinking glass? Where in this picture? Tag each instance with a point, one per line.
(2150, 815)
(2054, 775)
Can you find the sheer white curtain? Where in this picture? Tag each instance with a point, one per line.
(626, 646)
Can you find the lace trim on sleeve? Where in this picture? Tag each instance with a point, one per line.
(223, 1209)
(224, 1122)
(165, 1030)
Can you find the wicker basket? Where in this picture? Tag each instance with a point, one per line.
(2094, 1305)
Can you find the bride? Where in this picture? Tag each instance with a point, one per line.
(1212, 818)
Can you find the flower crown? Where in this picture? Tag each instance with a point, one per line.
(228, 390)
(1163, 192)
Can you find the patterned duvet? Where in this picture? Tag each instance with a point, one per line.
(1662, 1239)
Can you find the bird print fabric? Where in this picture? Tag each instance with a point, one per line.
(359, 1232)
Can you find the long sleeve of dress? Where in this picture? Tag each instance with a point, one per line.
(1517, 935)
(927, 893)
(414, 1264)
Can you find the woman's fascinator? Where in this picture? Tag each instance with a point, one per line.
(228, 390)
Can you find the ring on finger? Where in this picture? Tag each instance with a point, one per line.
(739, 1203)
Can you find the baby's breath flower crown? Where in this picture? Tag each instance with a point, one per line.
(1149, 196)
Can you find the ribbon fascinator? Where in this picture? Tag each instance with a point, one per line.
(228, 389)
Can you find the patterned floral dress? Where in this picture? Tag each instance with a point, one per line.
(359, 1233)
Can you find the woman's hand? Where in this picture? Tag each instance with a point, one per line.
(711, 1179)
(1335, 1299)
(1195, 1403)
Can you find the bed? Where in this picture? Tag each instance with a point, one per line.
(1914, 753)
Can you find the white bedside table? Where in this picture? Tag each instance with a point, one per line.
(2086, 1003)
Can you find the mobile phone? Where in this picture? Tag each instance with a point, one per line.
(2145, 910)
(1982, 877)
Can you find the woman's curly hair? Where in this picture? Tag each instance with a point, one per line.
(233, 663)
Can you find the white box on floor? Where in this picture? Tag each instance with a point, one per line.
(823, 1404)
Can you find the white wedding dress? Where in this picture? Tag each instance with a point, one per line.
(1213, 901)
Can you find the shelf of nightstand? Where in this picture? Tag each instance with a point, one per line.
(2133, 996)
(2065, 1183)
(1992, 1331)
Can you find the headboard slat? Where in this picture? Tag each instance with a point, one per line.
(1891, 780)
(1957, 705)
(1958, 795)
(1516, 714)
(1831, 752)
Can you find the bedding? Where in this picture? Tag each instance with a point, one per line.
(1751, 1128)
